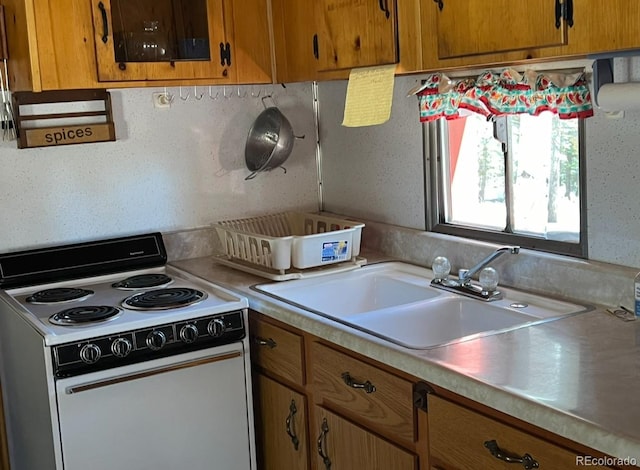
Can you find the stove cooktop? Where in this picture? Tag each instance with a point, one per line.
(96, 306)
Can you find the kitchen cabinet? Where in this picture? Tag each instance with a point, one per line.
(45, 53)
(463, 33)
(356, 33)
(472, 27)
(324, 40)
(281, 411)
(170, 39)
(365, 414)
(344, 445)
(461, 438)
(355, 414)
(281, 425)
(294, 36)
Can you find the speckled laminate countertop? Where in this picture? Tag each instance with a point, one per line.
(578, 377)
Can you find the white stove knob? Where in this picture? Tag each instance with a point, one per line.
(156, 340)
(216, 328)
(189, 333)
(90, 353)
(121, 347)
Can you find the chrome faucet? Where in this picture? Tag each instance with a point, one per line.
(463, 284)
(465, 275)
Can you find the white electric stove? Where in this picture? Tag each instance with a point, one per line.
(111, 359)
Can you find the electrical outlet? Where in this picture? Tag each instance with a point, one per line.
(162, 100)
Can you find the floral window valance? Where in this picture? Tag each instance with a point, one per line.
(507, 92)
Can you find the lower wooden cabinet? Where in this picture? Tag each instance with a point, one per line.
(342, 445)
(281, 426)
(322, 407)
(463, 439)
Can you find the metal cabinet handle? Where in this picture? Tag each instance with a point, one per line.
(440, 4)
(105, 23)
(322, 444)
(316, 50)
(290, 431)
(366, 386)
(265, 342)
(384, 6)
(526, 460)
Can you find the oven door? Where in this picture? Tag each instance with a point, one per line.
(187, 411)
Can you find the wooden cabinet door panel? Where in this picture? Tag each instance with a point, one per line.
(294, 29)
(277, 350)
(356, 33)
(111, 70)
(472, 27)
(604, 26)
(349, 447)
(389, 406)
(282, 421)
(457, 439)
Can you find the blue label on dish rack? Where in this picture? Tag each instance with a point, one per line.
(334, 251)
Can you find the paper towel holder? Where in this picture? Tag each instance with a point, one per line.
(602, 75)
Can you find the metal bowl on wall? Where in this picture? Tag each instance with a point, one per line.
(269, 143)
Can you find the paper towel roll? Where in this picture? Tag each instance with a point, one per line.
(619, 97)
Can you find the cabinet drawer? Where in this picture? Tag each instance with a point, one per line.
(457, 439)
(377, 397)
(276, 350)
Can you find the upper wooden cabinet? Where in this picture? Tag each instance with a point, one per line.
(471, 27)
(294, 33)
(469, 33)
(70, 44)
(325, 40)
(356, 33)
(161, 40)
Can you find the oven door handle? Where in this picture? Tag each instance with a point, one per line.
(149, 373)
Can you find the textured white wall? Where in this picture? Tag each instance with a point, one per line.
(373, 172)
(168, 170)
(377, 172)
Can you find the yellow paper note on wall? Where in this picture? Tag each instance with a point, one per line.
(369, 96)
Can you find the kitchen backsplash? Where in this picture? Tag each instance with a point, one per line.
(170, 169)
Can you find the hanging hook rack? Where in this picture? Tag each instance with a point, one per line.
(239, 95)
(183, 98)
(195, 93)
(211, 96)
(253, 95)
(224, 92)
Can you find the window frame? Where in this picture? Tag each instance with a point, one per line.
(436, 145)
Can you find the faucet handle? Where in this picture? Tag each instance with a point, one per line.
(488, 279)
(441, 268)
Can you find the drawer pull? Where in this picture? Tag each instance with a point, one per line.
(322, 444)
(265, 342)
(290, 431)
(526, 460)
(366, 386)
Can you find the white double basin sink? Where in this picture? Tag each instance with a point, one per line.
(394, 301)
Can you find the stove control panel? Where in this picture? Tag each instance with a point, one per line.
(147, 344)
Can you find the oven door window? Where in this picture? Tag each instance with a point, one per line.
(187, 411)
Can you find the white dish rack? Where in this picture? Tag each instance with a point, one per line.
(290, 245)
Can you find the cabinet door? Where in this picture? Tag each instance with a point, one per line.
(472, 27)
(294, 35)
(281, 426)
(356, 33)
(161, 40)
(604, 26)
(342, 445)
(462, 439)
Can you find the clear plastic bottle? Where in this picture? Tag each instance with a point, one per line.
(636, 291)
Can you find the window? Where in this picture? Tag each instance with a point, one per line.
(515, 179)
